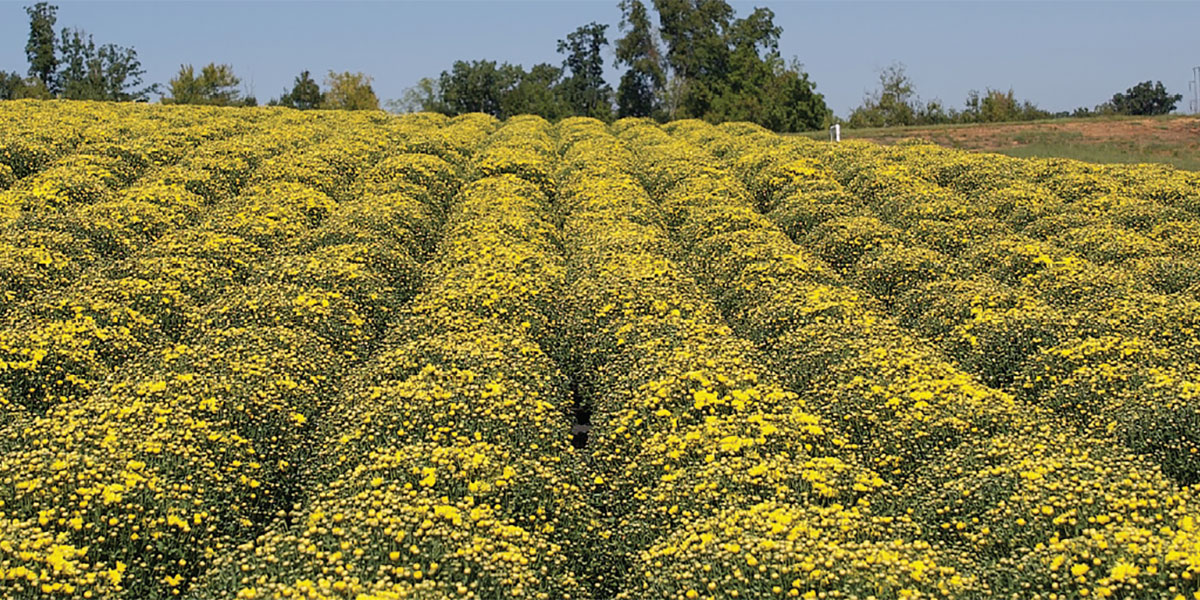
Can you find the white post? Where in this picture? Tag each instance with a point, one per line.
(835, 133)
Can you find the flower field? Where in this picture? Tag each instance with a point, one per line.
(263, 353)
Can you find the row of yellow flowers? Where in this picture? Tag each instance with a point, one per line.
(848, 366)
(227, 346)
(151, 170)
(79, 206)
(445, 469)
(271, 354)
(82, 298)
(1046, 510)
(716, 480)
(38, 134)
(1069, 286)
(90, 284)
(1119, 352)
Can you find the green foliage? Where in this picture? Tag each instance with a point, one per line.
(108, 72)
(72, 66)
(636, 95)
(891, 105)
(215, 85)
(729, 69)
(714, 67)
(761, 88)
(585, 91)
(13, 87)
(896, 103)
(476, 86)
(1145, 99)
(349, 91)
(695, 33)
(40, 49)
(996, 106)
(641, 84)
(425, 96)
(502, 90)
(11, 84)
(539, 92)
(304, 95)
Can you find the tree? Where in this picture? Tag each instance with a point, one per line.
(891, 105)
(995, 106)
(425, 96)
(753, 64)
(39, 50)
(477, 86)
(538, 92)
(670, 97)
(1145, 99)
(12, 85)
(754, 35)
(72, 66)
(713, 67)
(935, 113)
(122, 74)
(720, 68)
(304, 95)
(76, 78)
(643, 83)
(109, 72)
(216, 85)
(585, 91)
(696, 34)
(761, 87)
(349, 91)
(791, 102)
(502, 90)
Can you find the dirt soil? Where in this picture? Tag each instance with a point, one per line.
(1181, 131)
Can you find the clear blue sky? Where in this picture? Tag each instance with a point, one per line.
(1060, 55)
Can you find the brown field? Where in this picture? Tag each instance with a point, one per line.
(1171, 139)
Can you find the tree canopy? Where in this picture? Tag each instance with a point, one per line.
(677, 59)
(714, 66)
(41, 47)
(896, 103)
(584, 90)
(71, 65)
(304, 95)
(1145, 98)
(725, 68)
(107, 72)
(889, 105)
(476, 86)
(214, 85)
(641, 87)
(349, 91)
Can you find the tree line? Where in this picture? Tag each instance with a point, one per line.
(217, 85)
(895, 103)
(700, 60)
(69, 64)
(679, 59)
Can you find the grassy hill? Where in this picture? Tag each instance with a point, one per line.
(1171, 139)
